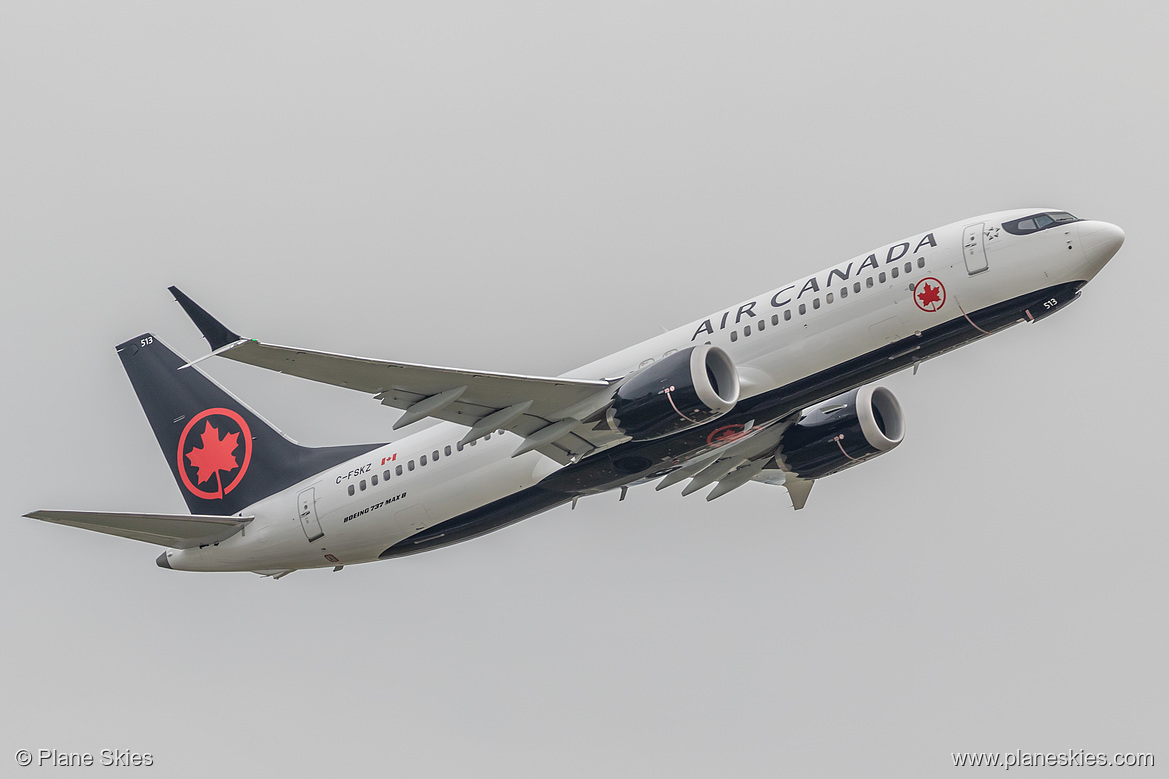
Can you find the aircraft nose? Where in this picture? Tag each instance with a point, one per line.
(1101, 241)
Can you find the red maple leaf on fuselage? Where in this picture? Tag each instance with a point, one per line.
(930, 295)
(216, 454)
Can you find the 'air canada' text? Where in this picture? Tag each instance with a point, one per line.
(813, 284)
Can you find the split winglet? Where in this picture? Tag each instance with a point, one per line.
(212, 329)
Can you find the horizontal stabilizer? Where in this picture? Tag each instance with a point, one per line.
(178, 531)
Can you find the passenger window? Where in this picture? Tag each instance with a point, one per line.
(373, 480)
(747, 330)
(410, 465)
(787, 314)
(734, 335)
(856, 287)
(844, 292)
(446, 450)
(422, 460)
(869, 282)
(398, 471)
(361, 484)
(474, 442)
(908, 267)
(351, 490)
(775, 319)
(803, 309)
(761, 324)
(815, 302)
(921, 262)
(434, 455)
(895, 272)
(881, 277)
(459, 446)
(828, 298)
(386, 476)
(487, 437)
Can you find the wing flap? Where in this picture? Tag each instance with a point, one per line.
(178, 531)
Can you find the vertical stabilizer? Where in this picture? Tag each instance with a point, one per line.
(223, 455)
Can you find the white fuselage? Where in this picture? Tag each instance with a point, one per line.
(368, 504)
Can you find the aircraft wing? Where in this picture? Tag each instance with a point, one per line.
(754, 458)
(553, 414)
(179, 531)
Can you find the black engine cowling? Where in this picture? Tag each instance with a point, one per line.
(842, 432)
(680, 391)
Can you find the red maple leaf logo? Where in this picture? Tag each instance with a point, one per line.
(929, 295)
(216, 454)
(726, 434)
(221, 453)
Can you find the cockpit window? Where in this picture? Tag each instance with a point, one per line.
(1037, 222)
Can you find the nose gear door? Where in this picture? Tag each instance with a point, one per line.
(973, 248)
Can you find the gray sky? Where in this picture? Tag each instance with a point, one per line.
(526, 187)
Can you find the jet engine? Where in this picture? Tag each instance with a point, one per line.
(680, 391)
(841, 432)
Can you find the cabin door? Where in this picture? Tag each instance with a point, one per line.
(973, 248)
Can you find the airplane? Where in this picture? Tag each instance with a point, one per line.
(774, 390)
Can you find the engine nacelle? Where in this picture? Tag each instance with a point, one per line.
(680, 391)
(843, 431)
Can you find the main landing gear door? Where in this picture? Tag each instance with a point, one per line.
(973, 248)
(307, 503)
(413, 518)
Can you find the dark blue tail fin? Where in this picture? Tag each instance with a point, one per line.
(223, 455)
